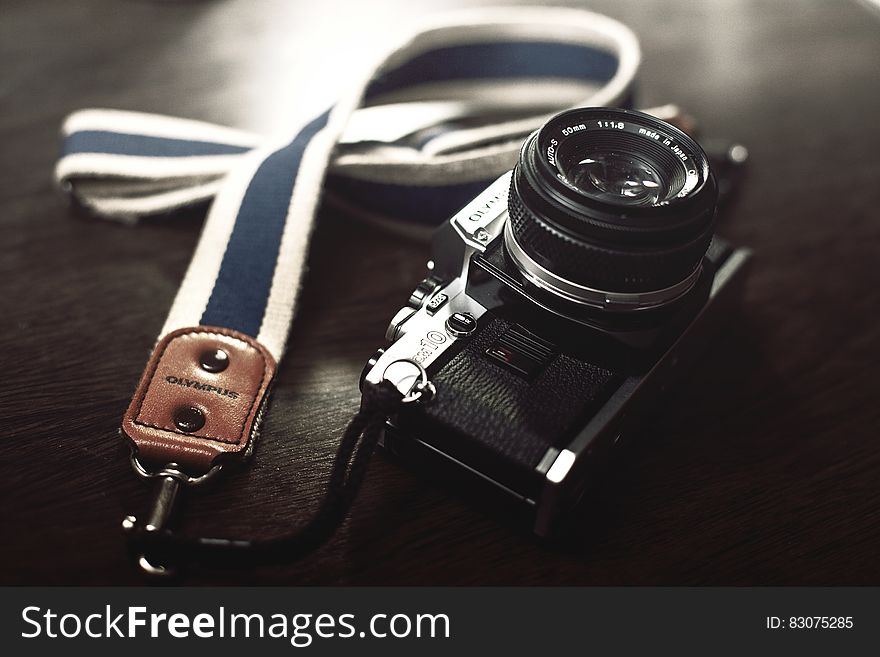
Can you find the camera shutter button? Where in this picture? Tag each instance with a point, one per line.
(461, 324)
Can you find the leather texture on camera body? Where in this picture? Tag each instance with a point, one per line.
(500, 422)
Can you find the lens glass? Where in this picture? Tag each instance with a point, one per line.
(620, 169)
(615, 177)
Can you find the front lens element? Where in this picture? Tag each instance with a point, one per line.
(615, 177)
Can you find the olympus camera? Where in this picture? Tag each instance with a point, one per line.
(561, 302)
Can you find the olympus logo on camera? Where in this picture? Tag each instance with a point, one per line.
(483, 210)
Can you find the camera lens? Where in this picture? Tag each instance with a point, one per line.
(609, 204)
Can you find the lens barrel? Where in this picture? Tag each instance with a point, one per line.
(611, 201)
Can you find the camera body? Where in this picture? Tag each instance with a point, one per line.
(533, 383)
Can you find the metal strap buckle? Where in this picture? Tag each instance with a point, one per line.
(170, 478)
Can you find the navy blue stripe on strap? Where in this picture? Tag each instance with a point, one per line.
(422, 206)
(241, 290)
(118, 143)
(502, 60)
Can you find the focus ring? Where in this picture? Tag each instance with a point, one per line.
(605, 267)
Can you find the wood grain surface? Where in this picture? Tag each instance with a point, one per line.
(763, 468)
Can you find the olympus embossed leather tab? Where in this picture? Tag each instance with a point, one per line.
(200, 398)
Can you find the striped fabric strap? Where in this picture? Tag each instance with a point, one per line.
(438, 119)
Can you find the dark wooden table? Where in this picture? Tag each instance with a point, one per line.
(764, 467)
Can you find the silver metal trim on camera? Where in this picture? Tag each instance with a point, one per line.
(422, 334)
(615, 301)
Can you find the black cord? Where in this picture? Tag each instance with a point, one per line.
(358, 443)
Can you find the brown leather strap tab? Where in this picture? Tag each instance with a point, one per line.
(200, 397)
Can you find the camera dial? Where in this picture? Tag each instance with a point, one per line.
(611, 208)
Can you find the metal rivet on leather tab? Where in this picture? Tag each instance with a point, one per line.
(189, 419)
(214, 361)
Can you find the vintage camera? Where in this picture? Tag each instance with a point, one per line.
(561, 302)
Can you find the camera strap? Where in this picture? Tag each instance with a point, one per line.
(422, 133)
